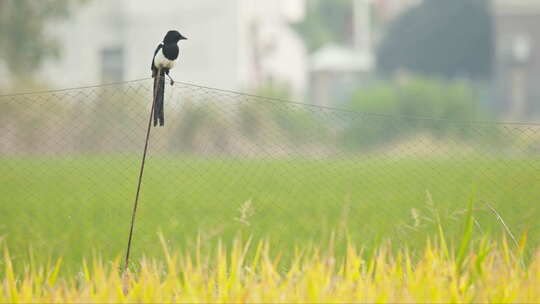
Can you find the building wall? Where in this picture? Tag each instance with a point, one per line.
(269, 49)
(209, 54)
(82, 38)
(517, 60)
(138, 26)
(218, 52)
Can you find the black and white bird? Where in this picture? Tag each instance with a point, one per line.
(164, 58)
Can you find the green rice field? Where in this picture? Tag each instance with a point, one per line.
(78, 207)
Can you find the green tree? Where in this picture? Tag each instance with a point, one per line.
(441, 37)
(24, 43)
(326, 21)
(441, 100)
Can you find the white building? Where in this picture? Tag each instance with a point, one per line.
(336, 70)
(517, 57)
(234, 44)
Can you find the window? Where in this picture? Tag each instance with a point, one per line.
(112, 64)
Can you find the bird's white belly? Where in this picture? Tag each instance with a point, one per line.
(160, 61)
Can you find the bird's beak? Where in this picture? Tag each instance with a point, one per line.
(183, 38)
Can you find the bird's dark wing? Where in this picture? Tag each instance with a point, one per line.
(170, 51)
(152, 67)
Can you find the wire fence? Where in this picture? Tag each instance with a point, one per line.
(228, 163)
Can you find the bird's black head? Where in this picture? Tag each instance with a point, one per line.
(173, 37)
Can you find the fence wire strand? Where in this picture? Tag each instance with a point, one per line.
(228, 163)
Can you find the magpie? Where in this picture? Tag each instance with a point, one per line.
(164, 58)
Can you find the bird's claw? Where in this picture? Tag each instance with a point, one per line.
(172, 82)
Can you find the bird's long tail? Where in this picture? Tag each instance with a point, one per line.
(159, 85)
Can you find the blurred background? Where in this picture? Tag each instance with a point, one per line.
(333, 53)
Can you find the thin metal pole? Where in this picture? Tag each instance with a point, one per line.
(136, 203)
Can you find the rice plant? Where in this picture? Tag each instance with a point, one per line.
(480, 270)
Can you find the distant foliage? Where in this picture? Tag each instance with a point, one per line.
(257, 121)
(441, 37)
(227, 123)
(416, 97)
(24, 43)
(325, 22)
(292, 121)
